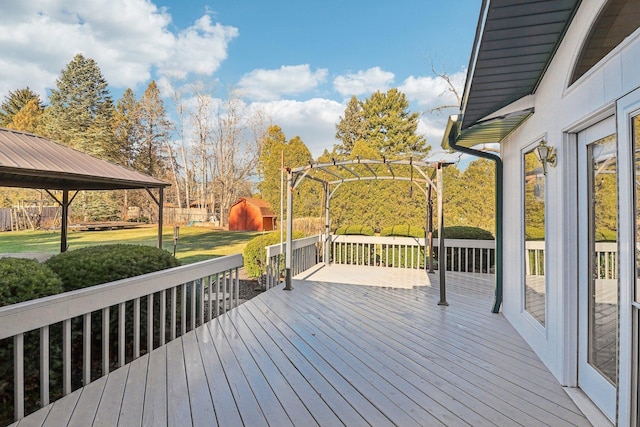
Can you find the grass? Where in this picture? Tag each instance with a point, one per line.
(195, 243)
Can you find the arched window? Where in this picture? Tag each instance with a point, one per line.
(618, 19)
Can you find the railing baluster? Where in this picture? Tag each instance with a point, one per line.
(86, 349)
(237, 287)
(136, 328)
(225, 283)
(183, 309)
(149, 323)
(44, 366)
(18, 376)
(201, 302)
(194, 287)
(163, 317)
(209, 296)
(122, 311)
(66, 356)
(174, 308)
(105, 340)
(218, 293)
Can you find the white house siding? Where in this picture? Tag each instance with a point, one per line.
(560, 112)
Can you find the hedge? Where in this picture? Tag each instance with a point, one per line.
(464, 232)
(356, 230)
(403, 231)
(26, 279)
(94, 265)
(254, 255)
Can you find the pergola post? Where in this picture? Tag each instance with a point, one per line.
(442, 262)
(429, 228)
(327, 234)
(289, 246)
(64, 225)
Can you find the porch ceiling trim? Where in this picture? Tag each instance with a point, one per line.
(489, 131)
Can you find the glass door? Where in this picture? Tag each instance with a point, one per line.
(598, 265)
(628, 121)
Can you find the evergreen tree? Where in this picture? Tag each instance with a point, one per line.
(308, 197)
(14, 102)
(350, 129)
(29, 118)
(124, 126)
(390, 127)
(151, 133)
(384, 123)
(81, 110)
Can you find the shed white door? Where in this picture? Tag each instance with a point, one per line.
(598, 265)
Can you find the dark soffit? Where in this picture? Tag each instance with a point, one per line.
(514, 45)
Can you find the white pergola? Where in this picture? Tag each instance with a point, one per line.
(334, 174)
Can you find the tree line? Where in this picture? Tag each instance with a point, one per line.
(214, 150)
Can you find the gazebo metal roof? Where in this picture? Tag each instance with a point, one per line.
(32, 161)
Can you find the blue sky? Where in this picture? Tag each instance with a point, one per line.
(298, 61)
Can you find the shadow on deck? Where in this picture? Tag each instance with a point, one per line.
(348, 346)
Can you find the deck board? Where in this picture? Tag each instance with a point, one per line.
(108, 410)
(347, 346)
(202, 410)
(133, 399)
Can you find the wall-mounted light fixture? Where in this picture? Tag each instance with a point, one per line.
(547, 155)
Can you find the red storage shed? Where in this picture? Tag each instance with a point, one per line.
(249, 214)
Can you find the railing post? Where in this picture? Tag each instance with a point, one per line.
(441, 248)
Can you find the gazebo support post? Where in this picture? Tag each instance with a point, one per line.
(442, 256)
(289, 237)
(65, 221)
(327, 234)
(160, 202)
(160, 216)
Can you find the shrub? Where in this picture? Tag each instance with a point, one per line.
(254, 255)
(26, 279)
(534, 233)
(464, 232)
(403, 231)
(22, 280)
(356, 230)
(94, 265)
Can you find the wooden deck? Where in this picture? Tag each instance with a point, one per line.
(348, 346)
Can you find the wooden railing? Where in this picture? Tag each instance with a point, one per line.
(605, 259)
(306, 254)
(534, 258)
(409, 252)
(72, 325)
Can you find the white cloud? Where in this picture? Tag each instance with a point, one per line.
(314, 121)
(363, 82)
(127, 38)
(199, 49)
(269, 85)
(433, 92)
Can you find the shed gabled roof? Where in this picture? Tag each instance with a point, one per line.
(32, 161)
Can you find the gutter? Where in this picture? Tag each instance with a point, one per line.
(455, 131)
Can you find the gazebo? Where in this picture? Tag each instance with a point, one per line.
(32, 161)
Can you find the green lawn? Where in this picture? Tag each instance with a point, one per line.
(195, 243)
